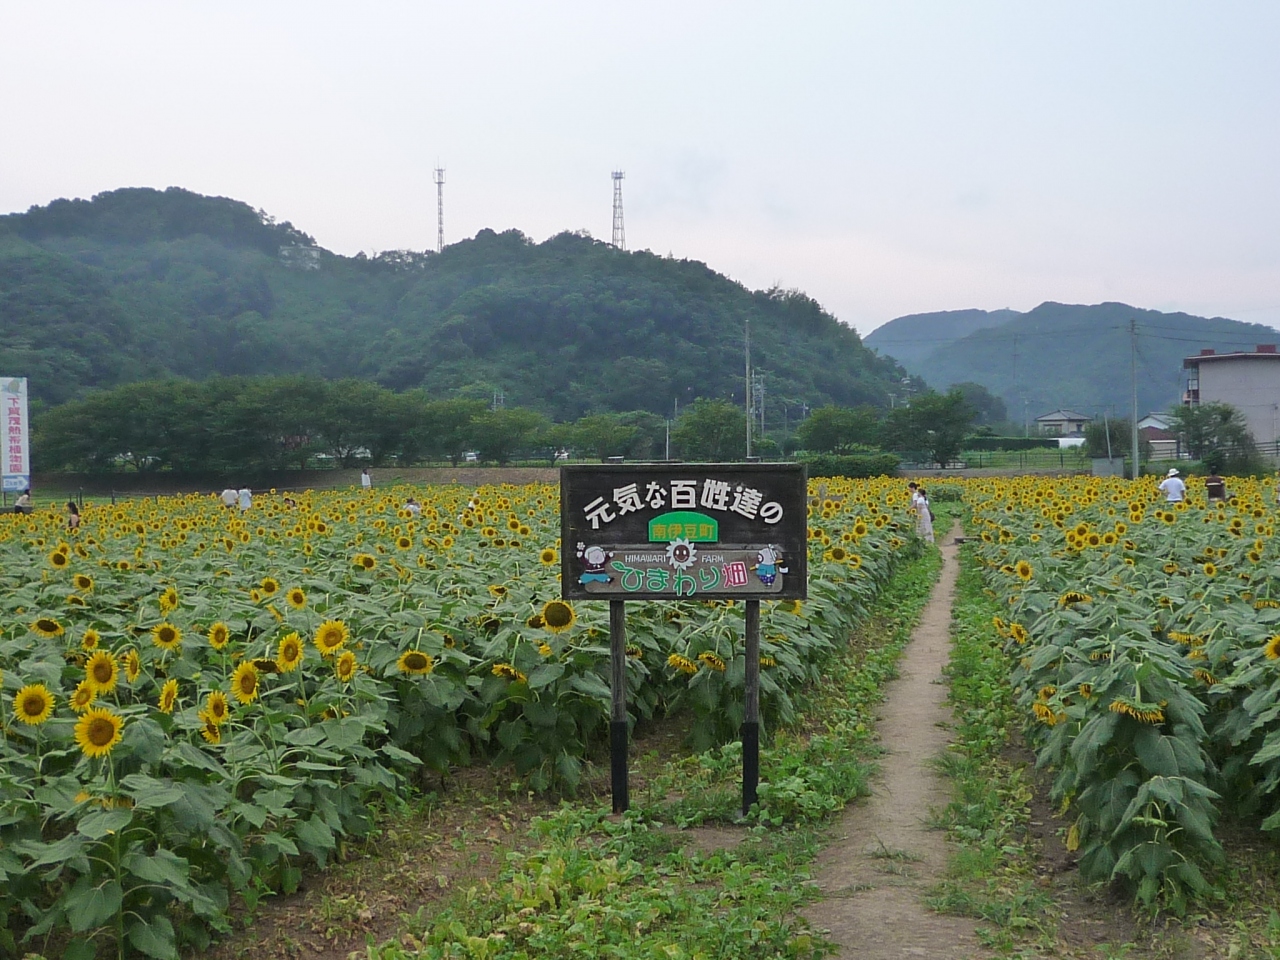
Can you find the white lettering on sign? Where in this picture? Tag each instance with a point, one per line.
(718, 495)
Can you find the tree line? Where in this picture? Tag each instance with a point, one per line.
(291, 422)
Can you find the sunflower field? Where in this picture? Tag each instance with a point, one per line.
(1143, 639)
(196, 701)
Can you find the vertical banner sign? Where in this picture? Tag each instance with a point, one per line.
(17, 434)
(679, 531)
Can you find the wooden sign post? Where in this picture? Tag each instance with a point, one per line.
(681, 531)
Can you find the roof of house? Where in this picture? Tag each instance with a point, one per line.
(1064, 415)
(1265, 351)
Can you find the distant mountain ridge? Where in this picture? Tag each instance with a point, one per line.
(140, 283)
(911, 338)
(1066, 355)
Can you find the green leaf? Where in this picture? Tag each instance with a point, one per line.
(345, 733)
(154, 938)
(90, 906)
(150, 793)
(1155, 753)
(101, 823)
(545, 674)
(162, 866)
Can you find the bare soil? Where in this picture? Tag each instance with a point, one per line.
(885, 855)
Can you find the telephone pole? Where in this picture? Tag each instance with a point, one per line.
(1133, 377)
(748, 382)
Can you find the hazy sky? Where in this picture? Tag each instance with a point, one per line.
(887, 158)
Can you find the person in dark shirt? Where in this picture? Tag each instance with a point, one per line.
(1215, 487)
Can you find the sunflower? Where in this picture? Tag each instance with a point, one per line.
(838, 554)
(168, 600)
(33, 704)
(83, 696)
(508, 671)
(270, 586)
(545, 649)
(497, 591)
(100, 672)
(535, 621)
(132, 665)
(166, 636)
(683, 664)
(219, 634)
(403, 542)
(793, 607)
(1271, 649)
(1018, 632)
(558, 616)
(1024, 570)
(47, 627)
(211, 732)
(296, 597)
(415, 663)
(168, 696)
(98, 731)
(1210, 570)
(712, 661)
(216, 707)
(244, 683)
(90, 639)
(83, 582)
(330, 635)
(345, 668)
(289, 653)
(59, 560)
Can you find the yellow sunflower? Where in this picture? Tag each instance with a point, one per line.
(270, 586)
(90, 640)
(83, 582)
(330, 635)
(244, 683)
(132, 665)
(166, 636)
(558, 616)
(33, 704)
(211, 732)
(83, 696)
(216, 707)
(100, 672)
(168, 696)
(47, 627)
(296, 597)
(219, 634)
(98, 731)
(508, 671)
(415, 663)
(168, 600)
(289, 653)
(345, 668)
(1024, 570)
(1271, 649)
(59, 560)
(548, 557)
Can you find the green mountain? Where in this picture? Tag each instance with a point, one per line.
(140, 283)
(911, 338)
(1076, 357)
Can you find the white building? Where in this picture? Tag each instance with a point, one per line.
(1250, 382)
(1062, 423)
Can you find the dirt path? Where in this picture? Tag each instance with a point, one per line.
(885, 856)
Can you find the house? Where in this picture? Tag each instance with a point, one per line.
(1161, 436)
(1250, 382)
(1062, 423)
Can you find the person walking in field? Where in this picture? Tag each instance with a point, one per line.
(245, 499)
(1215, 488)
(1174, 490)
(924, 516)
(73, 516)
(229, 497)
(23, 503)
(366, 481)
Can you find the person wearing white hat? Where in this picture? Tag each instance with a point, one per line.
(1172, 487)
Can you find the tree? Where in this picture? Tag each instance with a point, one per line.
(934, 424)
(1210, 428)
(501, 434)
(1095, 440)
(711, 430)
(987, 407)
(604, 435)
(833, 429)
(448, 428)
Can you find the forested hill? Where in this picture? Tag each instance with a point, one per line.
(140, 283)
(911, 338)
(1071, 356)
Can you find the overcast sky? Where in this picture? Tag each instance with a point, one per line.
(886, 158)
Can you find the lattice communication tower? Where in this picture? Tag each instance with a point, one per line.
(439, 209)
(619, 234)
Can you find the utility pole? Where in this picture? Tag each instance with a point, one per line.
(619, 234)
(748, 383)
(1133, 377)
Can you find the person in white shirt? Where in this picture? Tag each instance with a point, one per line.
(412, 507)
(1172, 487)
(366, 481)
(229, 497)
(245, 497)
